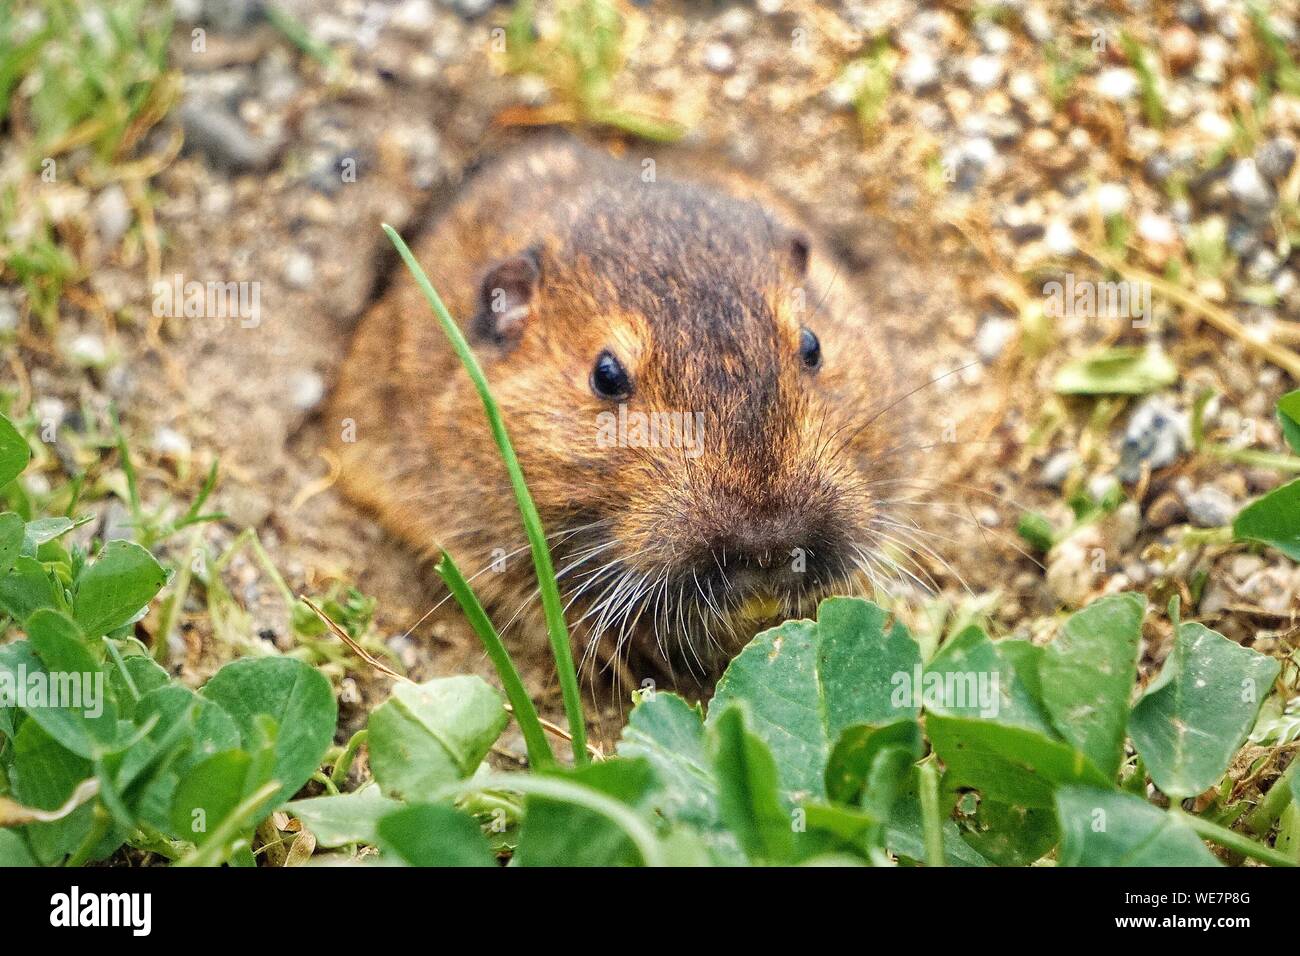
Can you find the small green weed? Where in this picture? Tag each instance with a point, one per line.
(841, 740)
(81, 85)
(580, 62)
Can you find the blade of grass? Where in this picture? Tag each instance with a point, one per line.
(212, 850)
(550, 591)
(1232, 840)
(931, 817)
(1218, 317)
(341, 766)
(173, 605)
(356, 648)
(1261, 819)
(1152, 104)
(298, 35)
(539, 751)
(193, 516)
(567, 791)
(121, 668)
(128, 469)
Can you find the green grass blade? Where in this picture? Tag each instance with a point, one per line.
(551, 787)
(1230, 839)
(931, 816)
(539, 751)
(298, 35)
(550, 591)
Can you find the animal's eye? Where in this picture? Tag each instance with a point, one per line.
(810, 350)
(608, 377)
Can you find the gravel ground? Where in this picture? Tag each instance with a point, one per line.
(960, 160)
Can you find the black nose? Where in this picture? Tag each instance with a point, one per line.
(764, 543)
(777, 549)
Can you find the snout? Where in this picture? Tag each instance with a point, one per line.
(778, 550)
(762, 542)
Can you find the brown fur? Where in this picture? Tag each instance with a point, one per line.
(697, 290)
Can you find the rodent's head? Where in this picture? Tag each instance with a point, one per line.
(692, 416)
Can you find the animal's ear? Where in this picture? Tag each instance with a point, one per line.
(506, 298)
(796, 247)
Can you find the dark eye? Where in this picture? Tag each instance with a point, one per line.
(608, 377)
(810, 350)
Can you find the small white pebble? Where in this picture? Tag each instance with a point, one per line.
(995, 39)
(1117, 83)
(1059, 238)
(1248, 186)
(306, 389)
(168, 441)
(992, 338)
(1156, 229)
(1112, 199)
(1213, 126)
(413, 17)
(1037, 23)
(1023, 87)
(299, 270)
(736, 23)
(88, 349)
(1079, 139)
(8, 314)
(1213, 49)
(984, 72)
(112, 214)
(719, 58)
(919, 72)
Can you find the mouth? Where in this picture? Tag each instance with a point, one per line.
(740, 601)
(699, 613)
(759, 610)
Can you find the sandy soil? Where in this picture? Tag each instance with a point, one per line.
(426, 98)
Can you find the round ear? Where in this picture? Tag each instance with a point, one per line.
(506, 297)
(797, 249)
